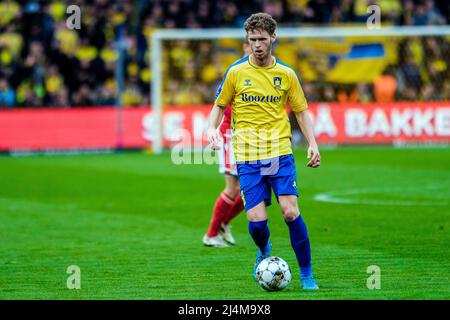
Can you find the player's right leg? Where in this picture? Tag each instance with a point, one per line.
(260, 233)
(256, 195)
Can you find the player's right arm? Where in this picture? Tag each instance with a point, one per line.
(213, 134)
(224, 96)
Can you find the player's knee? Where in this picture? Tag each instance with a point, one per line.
(289, 212)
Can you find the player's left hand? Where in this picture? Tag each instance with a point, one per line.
(314, 156)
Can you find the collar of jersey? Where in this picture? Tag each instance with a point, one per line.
(258, 67)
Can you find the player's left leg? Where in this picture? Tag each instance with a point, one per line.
(284, 185)
(299, 239)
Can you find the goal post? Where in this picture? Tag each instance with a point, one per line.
(317, 33)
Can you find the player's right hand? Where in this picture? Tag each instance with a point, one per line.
(313, 156)
(214, 138)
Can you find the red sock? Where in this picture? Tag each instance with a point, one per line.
(236, 208)
(221, 208)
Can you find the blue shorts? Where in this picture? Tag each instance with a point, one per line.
(258, 178)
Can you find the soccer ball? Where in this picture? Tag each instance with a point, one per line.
(273, 274)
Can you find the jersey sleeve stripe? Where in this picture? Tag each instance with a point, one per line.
(283, 64)
(219, 90)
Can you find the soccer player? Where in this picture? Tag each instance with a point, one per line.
(229, 203)
(258, 87)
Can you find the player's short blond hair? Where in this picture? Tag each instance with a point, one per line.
(261, 21)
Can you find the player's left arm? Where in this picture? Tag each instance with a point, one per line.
(304, 121)
(299, 105)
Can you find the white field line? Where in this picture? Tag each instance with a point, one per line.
(340, 197)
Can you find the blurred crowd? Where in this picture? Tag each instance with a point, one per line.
(44, 63)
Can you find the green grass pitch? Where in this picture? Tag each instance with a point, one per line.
(133, 223)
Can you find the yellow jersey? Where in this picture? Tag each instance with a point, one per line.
(258, 95)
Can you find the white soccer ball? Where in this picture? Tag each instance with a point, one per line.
(273, 274)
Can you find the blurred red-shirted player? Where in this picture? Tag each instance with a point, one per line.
(229, 203)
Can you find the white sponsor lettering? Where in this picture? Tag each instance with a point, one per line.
(173, 123)
(442, 122)
(422, 122)
(401, 122)
(395, 123)
(355, 123)
(199, 124)
(379, 124)
(323, 122)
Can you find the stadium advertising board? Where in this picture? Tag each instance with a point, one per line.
(98, 128)
(382, 123)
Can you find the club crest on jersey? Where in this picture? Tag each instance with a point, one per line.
(247, 82)
(277, 82)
